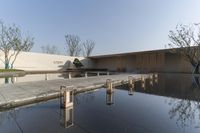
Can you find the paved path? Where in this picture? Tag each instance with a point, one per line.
(12, 95)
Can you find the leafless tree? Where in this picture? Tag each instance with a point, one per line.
(88, 47)
(73, 45)
(12, 43)
(185, 40)
(50, 49)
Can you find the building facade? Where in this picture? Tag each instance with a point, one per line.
(146, 61)
(137, 62)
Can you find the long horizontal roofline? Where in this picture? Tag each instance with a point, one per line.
(129, 53)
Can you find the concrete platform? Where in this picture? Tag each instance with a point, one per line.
(12, 95)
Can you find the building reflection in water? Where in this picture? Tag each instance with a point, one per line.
(66, 116)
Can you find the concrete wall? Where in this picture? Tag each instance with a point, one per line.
(39, 61)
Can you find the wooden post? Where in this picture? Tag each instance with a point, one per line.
(108, 73)
(109, 86)
(86, 74)
(131, 86)
(66, 97)
(97, 73)
(69, 75)
(131, 81)
(143, 82)
(46, 76)
(156, 78)
(151, 79)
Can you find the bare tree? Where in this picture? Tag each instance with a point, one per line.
(50, 49)
(73, 45)
(12, 43)
(185, 40)
(88, 47)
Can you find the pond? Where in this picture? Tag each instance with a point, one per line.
(169, 103)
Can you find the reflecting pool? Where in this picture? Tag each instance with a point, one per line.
(166, 103)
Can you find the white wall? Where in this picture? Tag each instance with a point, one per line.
(40, 61)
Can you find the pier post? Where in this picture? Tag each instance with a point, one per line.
(69, 75)
(86, 74)
(108, 73)
(109, 86)
(131, 81)
(143, 82)
(66, 97)
(46, 76)
(131, 85)
(156, 78)
(151, 79)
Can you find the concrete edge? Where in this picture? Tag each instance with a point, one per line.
(53, 95)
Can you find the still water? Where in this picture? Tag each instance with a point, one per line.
(166, 104)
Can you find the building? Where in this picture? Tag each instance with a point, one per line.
(145, 61)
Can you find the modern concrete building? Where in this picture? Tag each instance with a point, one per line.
(144, 61)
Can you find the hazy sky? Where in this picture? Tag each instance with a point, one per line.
(115, 25)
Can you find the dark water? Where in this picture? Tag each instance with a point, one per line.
(167, 104)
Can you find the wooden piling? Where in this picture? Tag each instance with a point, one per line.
(109, 86)
(66, 97)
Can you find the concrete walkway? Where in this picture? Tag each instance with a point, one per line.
(12, 95)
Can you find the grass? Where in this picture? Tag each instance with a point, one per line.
(10, 70)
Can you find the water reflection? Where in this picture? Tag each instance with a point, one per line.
(186, 112)
(66, 117)
(109, 98)
(171, 104)
(184, 93)
(131, 90)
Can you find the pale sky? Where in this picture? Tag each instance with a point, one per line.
(115, 25)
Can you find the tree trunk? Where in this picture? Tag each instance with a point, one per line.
(6, 62)
(196, 69)
(196, 80)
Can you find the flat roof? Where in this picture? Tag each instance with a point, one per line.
(128, 53)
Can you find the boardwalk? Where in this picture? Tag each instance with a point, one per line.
(12, 95)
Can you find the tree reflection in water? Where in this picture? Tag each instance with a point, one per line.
(187, 111)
